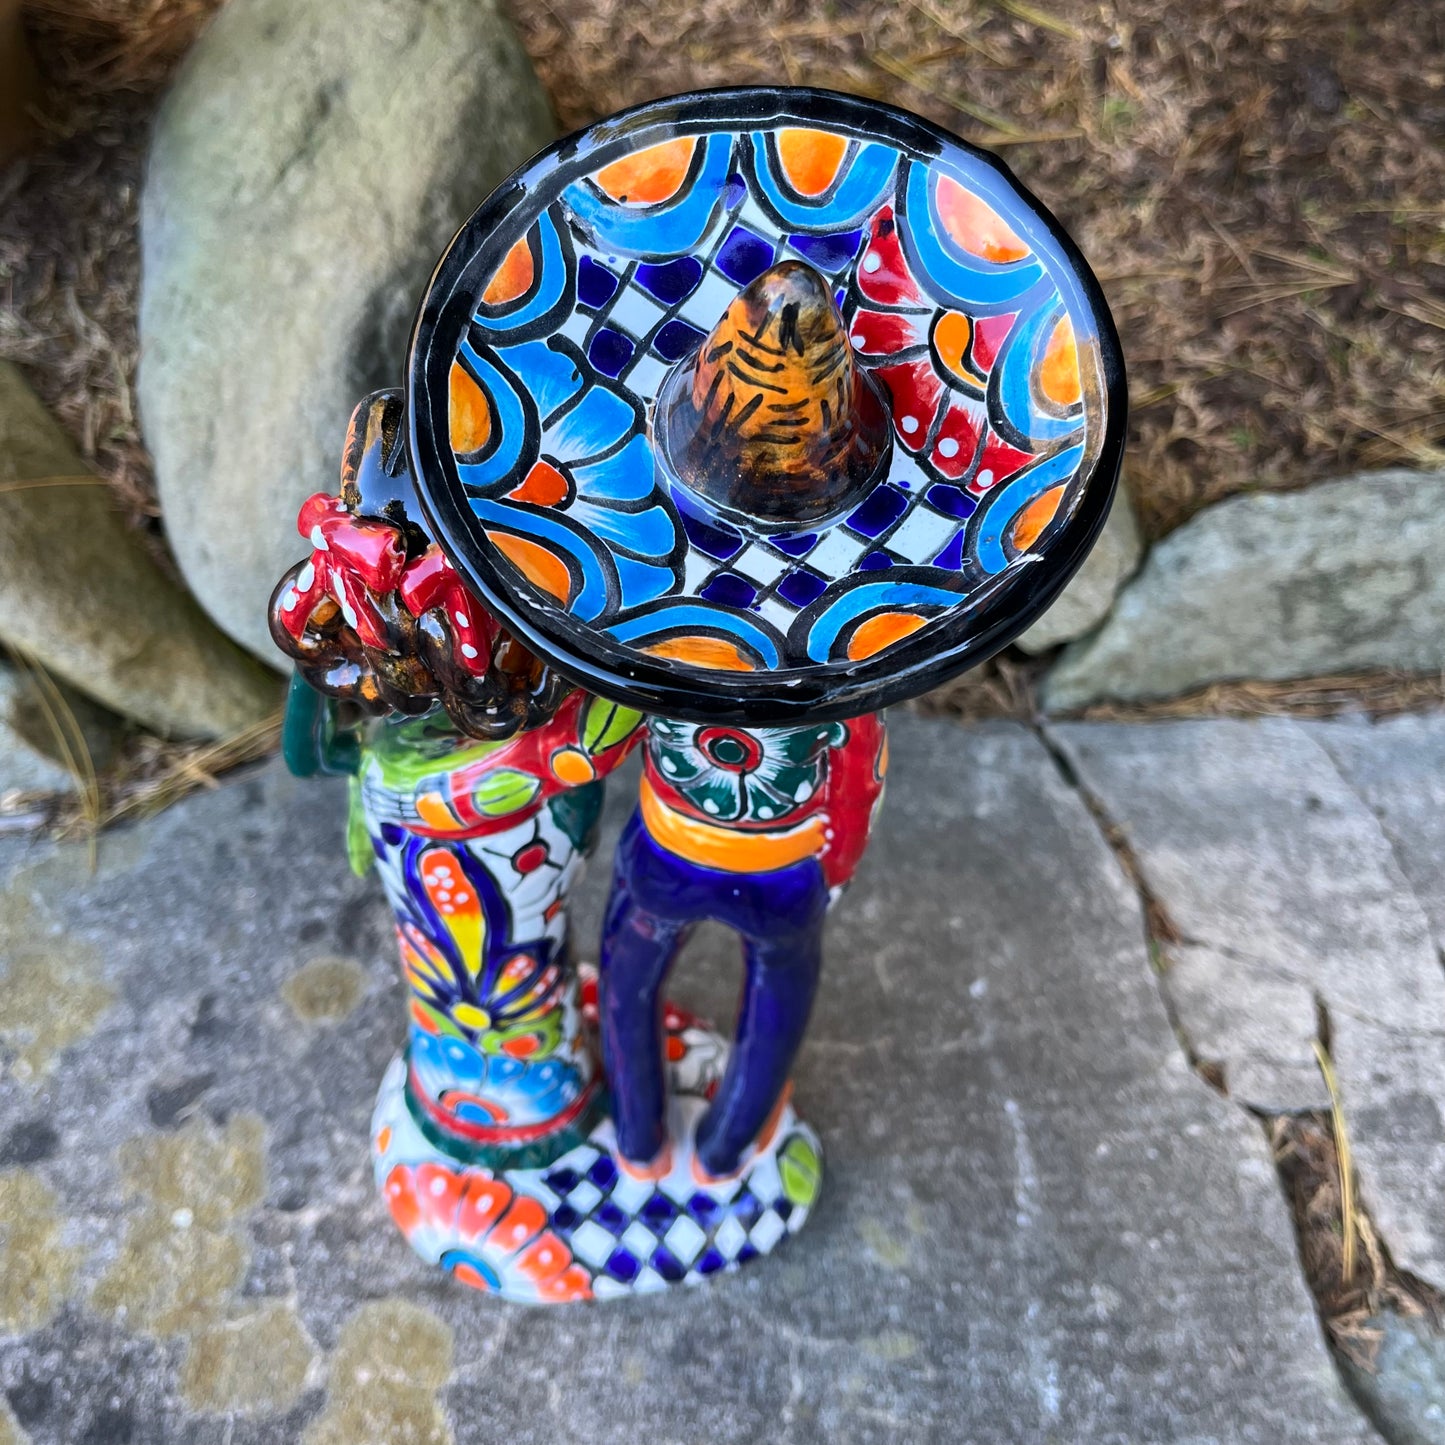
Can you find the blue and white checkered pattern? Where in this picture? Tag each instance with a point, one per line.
(631, 1235)
(647, 319)
(638, 1236)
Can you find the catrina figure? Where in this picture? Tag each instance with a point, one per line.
(727, 422)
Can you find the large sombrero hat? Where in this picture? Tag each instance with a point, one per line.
(756, 404)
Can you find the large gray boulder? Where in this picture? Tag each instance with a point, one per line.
(80, 594)
(308, 168)
(1275, 585)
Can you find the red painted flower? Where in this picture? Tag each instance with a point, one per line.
(485, 1233)
(934, 363)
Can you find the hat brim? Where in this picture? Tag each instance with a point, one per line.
(562, 304)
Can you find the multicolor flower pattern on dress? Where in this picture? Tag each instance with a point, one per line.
(477, 845)
(582, 1227)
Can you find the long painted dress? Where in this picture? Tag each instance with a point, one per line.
(477, 845)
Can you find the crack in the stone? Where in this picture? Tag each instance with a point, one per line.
(1160, 933)
(1282, 971)
(1160, 930)
(1382, 1286)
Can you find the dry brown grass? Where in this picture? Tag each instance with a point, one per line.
(1347, 1292)
(1373, 694)
(70, 746)
(1257, 184)
(152, 773)
(69, 268)
(1005, 686)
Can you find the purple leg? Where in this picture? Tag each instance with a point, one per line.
(638, 949)
(782, 977)
(656, 898)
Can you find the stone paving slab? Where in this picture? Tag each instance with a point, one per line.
(1273, 861)
(1397, 766)
(1037, 1223)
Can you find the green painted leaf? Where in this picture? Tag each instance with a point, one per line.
(443, 1021)
(505, 791)
(413, 751)
(605, 724)
(547, 1030)
(801, 1170)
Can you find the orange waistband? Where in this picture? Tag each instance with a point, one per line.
(734, 850)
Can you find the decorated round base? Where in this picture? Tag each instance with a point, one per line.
(584, 1227)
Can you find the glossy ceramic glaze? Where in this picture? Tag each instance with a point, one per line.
(568, 300)
(491, 1141)
(759, 829)
(751, 411)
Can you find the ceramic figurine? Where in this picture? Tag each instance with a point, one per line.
(750, 412)
(476, 784)
(756, 828)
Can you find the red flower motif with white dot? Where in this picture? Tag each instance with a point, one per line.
(935, 364)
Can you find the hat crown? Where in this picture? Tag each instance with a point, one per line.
(772, 419)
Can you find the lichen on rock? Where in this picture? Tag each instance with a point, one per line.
(51, 994)
(213, 1174)
(255, 1361)
(36, 1266)
(325, 990)
(181, 1258)
(391, 1359)
(171, 1276)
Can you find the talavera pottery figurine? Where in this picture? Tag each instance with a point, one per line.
(726, 423)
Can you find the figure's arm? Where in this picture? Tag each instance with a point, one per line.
(313, 737)
(377, 616)
(856, 771)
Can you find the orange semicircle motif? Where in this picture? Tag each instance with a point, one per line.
(651, 175)
(715, 653)
(975, 225)
(538, 564)
(1030, 523)
(882, 630)
(469, 414)
(513, 278)
(1059, 371)
(810, 158)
